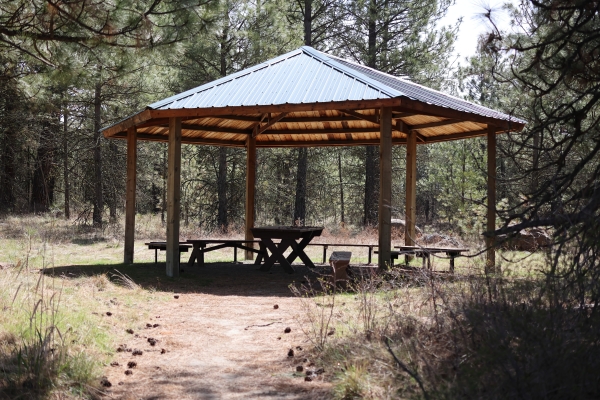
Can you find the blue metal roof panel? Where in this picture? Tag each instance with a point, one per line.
(295, 76)
(301, 76)
(339, 89)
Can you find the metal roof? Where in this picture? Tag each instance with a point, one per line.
(306, 75)
(424, 94)
(298, 77)
(309, 98)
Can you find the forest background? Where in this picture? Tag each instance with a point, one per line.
(71, 68)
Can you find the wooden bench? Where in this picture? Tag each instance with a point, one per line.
(339, 261)
(200, 247)
(162, 246)
(426, 252)
(327, 245)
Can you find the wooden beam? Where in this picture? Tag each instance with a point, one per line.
(209, 142)
(491, 201)
(205, 128)
(417, 107)
(323, 131)
(325, 143)
(385, 188)
(403, 127)
(122, 126)
(250, 190)
(411, 189)
(323, 118)
(455, 136)
(160, 122)
(284, 143)
(247, 118)
(258, 129)
(277, 108)
(173, 197)
(130, 197)
(435, 124)
(374, 119)
(208, 128)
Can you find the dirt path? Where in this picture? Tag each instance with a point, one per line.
(214, 346)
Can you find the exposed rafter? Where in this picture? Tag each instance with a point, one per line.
(374, 119)
(396, 115)
(258, 128)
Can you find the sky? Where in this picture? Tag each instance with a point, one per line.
(473, 24)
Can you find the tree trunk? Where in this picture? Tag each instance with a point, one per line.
(535, 176)
(8, 176)
(42, 194)
(164, 187)
(300, 203)
(308, 22)
(371, 215)
(222, 189)
(463, 176)
(114, 152)
(300, 198)
(341, 185)
(222, 222)
(98, 200)
(66, 162)
(371, 205)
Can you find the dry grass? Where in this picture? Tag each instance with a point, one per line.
(55, 336)
(419, 336)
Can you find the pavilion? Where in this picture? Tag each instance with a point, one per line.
(307, 98)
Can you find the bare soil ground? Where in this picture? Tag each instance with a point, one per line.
(224, 340)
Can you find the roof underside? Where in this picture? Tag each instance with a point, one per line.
(306, 98)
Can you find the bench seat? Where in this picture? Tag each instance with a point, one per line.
(201, 246)
(162, 246)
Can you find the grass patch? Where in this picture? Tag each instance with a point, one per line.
(66, 303)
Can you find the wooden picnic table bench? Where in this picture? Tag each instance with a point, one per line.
(426, 252)
(294, 237)
(162, 246)
(327, 245)
(200, 247)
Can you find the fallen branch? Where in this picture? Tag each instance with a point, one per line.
(261, 326)
(405, 368)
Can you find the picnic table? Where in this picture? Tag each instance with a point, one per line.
(425, 252)
(296, 237)
(200, 247)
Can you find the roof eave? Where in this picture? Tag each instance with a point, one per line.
(398, 104)
(123, 125)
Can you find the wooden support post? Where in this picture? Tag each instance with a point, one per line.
(173, 197)
(385, 187)
(130, 199)
(411, 189)
(491, 200)
(250, 190)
